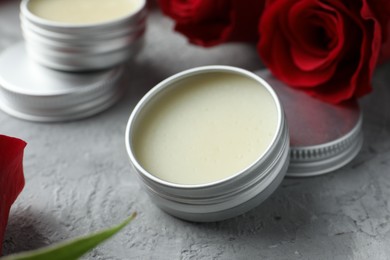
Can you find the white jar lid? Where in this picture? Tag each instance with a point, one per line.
(323, 137)
(33, 92)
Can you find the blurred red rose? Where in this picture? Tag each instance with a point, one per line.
(381, 8)
(11, 177)
(328, 48)
(211, 22)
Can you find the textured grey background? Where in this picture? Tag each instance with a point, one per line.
(78, 178)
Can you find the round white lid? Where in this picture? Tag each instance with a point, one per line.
(33, 92)
(323, 136)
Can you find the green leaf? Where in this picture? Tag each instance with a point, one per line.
(70, 250)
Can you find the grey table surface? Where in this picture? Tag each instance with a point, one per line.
(79, 180)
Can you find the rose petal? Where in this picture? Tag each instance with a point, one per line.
(196, 11)
(204, 23)
(372, 52)
(245, 20)
(208, 23)
(11, 177)
(385, 49)
(205, 36)
(360, 76)
(274, 49)
(353, 79)
(309, 51)
(381, 11)
(339, 88)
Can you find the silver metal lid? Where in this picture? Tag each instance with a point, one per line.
(33, 92)
(324, 137)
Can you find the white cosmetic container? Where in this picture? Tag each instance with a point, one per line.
(61, 38)
(190, 128)
(217, 141)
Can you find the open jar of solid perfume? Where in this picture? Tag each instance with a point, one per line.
(213, 142)
(79, 35)
(209, 143)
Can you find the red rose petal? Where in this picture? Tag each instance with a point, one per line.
(274, 49)
(381, 11)
(208, 23)
(11, 177)
(385, 49)
(338, 89)
(300, 78)
(359, 81)
(245, 19)
(187, 11)
(373, 49)
(205, 23)
(205, 36)
(198, 11)
(308, 50)
(354, 78)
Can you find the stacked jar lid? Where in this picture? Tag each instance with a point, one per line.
(69, 70)
(37, 93)
(83, 46)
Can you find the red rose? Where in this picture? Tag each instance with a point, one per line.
(11, 177)
(381, 8)
(328, 48)
(211, 22)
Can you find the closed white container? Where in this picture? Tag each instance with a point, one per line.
(83, 47)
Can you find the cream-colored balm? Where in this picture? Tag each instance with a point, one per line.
(205, 128)
(83, 11)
